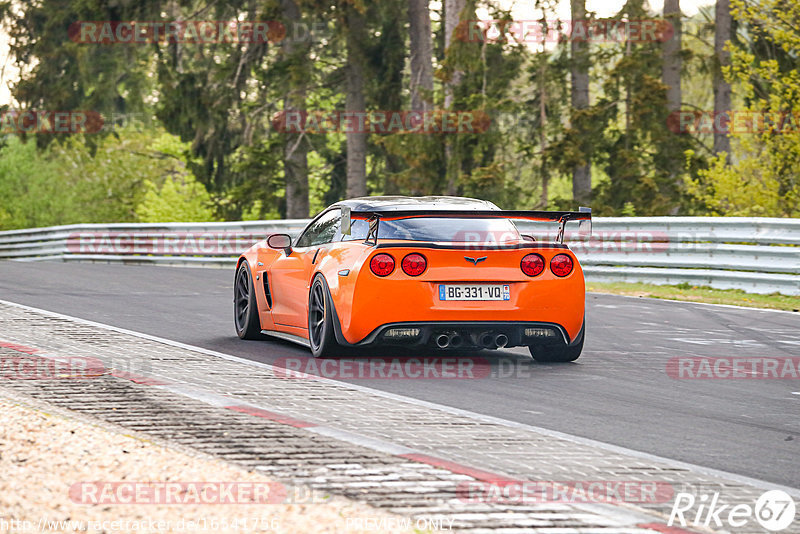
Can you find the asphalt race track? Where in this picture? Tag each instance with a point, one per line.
(618, 392)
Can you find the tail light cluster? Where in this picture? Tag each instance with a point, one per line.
(533, 265)
(382, 264)
(413, 264)
(561, 265)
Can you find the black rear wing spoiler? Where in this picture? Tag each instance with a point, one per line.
(583, 215)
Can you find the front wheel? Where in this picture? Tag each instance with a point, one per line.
(568, 353)
(321, 338)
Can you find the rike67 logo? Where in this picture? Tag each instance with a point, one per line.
(774, 511)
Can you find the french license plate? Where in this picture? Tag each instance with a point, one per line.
(474, 292)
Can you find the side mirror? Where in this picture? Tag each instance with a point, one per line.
(280, 242)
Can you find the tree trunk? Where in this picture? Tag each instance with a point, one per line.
(355, 104)
(671, 69)
(295, 166)
(722, 89)
(671, 77)
(452, 15)
(295, 157)
(545, 199)
(579, 75)
(421, 48)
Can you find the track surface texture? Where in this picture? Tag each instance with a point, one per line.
(618, 392)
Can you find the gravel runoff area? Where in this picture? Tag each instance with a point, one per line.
(46, 451)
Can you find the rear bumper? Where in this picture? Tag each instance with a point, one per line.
(375, 303)
(463, 334)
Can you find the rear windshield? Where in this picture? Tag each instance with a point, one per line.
(485, 231)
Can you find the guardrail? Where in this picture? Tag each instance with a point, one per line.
(758, 255)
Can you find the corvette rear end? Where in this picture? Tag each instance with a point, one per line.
(442, 273)
(464, 297)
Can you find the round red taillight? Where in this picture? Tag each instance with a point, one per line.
(532, 265)
(414, 264)
(561, 265)
(382, 264)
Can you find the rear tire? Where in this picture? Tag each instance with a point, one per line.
(321, 338)
(568, 353)
(245, 308)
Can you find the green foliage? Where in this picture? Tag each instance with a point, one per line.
(480, 164)
(628, 210)
(32, 190)
(171, 192)
(62, 74)
(625, 133)
(177, 200)
(215, 152)
(762, 179)
(69, 183)
(259, 180)
(206, 94)
(744, 189)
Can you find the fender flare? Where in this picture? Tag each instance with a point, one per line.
(580, 335)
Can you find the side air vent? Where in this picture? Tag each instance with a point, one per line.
(266, 291)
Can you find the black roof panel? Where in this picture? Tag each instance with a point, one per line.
(400, 203)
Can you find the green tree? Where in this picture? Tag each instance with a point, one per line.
(62, 74)
(180, 199)
(763, 178)
(626, 129)
(70, 183)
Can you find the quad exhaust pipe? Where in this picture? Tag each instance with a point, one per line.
(453, 340)
(487, 340)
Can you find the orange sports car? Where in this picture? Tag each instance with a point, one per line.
(435, 272)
